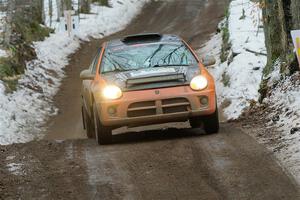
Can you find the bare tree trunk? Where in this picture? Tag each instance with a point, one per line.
(58, 10)
(50, 11)
(42, 7)
(67, 4)
(295, 10)
(9, 16)
(85, 6)
(274, 30)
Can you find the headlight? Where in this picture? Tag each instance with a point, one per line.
(112, 92)
(199, 83)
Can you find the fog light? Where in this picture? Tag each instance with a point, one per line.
(112, 110)
(204, 100)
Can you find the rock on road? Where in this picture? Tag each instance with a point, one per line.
(168, 164)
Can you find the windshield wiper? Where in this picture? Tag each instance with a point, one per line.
(169, 65)
(119, 70)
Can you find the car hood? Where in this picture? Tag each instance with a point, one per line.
(121, 79)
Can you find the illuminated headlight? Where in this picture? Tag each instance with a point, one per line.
(112, 92)
(199, 83)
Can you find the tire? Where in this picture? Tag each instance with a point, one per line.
(196, 122)
(211, 123)
(88, 123)
(103, 134)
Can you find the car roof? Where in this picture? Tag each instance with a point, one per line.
(144, 38)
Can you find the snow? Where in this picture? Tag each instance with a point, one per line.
(24, 112)
(15, 168)
(285, 103)
(245, 75)
(3, 53)
(243, 69)
(275, 76)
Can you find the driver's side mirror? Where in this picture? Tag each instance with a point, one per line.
(208, 60)
(87, 75)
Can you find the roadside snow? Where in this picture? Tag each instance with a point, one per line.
(238, 78)
(24, 112)
(285, 103)
(245, 72)
(3, 53)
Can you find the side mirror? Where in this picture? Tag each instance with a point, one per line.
(208, 60)
(87, 75)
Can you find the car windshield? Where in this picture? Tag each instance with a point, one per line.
(140, 56)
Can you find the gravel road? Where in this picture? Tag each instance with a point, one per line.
(162, 164)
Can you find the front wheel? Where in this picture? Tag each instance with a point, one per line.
(88, 123)
(196, 122)
(211, 123)
(103, 134)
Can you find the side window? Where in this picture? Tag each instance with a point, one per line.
(93, 66)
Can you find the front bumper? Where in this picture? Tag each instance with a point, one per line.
(155, 106)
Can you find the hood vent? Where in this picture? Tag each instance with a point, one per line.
(155, 79)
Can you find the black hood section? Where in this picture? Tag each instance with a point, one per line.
(152, 77)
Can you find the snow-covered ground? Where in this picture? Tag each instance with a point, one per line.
(244, 72)
(285, 116)
(238, 78)
(24, 112)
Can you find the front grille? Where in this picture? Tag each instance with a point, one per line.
(140, 109)
(175, 105)
(177, 109)
(165, 106)
(142, 104)
(140, 113)
(174, 101)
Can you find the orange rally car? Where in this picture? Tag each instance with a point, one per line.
(147, 79)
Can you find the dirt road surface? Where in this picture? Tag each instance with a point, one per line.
(172, 164)
(167, 164)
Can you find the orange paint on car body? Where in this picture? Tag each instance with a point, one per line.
(151, 106)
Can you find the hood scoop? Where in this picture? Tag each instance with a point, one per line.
(155, 79)
(152, 78)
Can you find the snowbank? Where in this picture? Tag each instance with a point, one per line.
(245, 72)
(285, 104)
(24, 112)
(3, 53)
(238, 78)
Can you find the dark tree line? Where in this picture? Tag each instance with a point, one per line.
(280, 17)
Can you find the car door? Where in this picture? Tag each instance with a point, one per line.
(86, 85)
